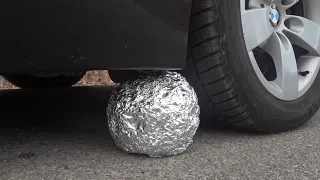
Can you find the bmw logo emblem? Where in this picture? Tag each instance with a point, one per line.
(274, 16)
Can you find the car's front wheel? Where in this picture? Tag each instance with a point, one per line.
(255, 63)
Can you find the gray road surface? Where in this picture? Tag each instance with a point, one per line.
(63, 135)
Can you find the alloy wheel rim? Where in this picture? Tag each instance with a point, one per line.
(267, 25)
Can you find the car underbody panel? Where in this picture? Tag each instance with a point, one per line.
(73, 35)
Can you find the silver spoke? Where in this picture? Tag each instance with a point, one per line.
(256, 27)
(310, 64)
(303, 33)
(289, 3)
(257, 3)
(280, 48)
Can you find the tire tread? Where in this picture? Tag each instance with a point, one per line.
(211, 65)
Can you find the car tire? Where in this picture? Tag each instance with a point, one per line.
(28, 81)
(229, 90)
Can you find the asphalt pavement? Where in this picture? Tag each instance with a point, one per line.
(63, 134)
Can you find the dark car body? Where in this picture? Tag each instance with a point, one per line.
(73, 35)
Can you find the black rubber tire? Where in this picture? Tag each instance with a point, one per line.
(27, 81)
(229, 91)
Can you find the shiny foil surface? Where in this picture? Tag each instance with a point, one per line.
(156, 115)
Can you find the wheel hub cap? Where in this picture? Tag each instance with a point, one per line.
(274, 15)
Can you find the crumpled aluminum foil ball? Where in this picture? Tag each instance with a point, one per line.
(157, 115)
